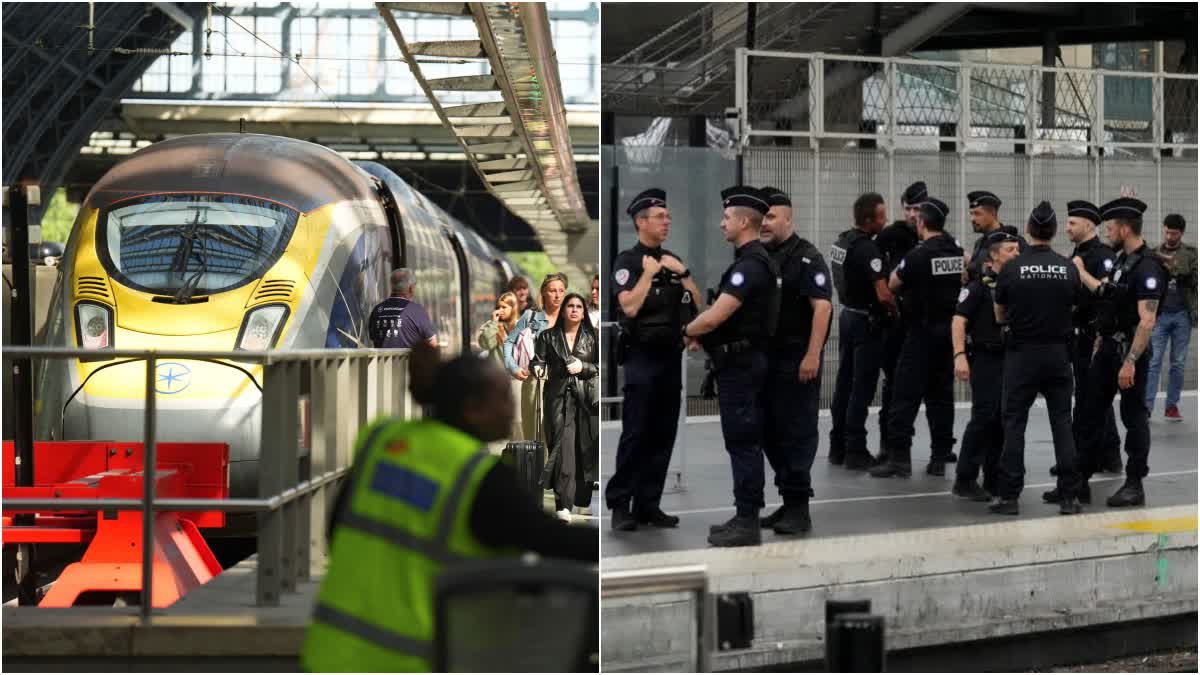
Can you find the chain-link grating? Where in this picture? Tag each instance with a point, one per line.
(928, 99)
(1179, 110)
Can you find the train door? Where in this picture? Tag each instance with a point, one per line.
(464, 288)
(395, 226)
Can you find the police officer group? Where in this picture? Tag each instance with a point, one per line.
(1013, 318)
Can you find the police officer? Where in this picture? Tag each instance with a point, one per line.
(1035, 294)
(894, 243)
(979, 358)
(867, 305)
(656, 295)
(1082, 219)
(985, 219)
(734, 332)
(929, 276)
(794, 364)
(1129, 304)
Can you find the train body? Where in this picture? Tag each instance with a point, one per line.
(239, 241)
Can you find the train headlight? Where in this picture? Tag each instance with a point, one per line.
(261, 328)
(93, 325)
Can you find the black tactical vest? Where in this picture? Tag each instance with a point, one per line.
(795, 315)
(756, 319)
(934, 301)
(1117, 310)
(662, 315)
(853, 291)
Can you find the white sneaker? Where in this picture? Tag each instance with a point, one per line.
(564, 515)
(582, 510)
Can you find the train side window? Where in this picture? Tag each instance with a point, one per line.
(395, 226)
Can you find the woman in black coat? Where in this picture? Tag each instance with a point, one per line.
(570, 353)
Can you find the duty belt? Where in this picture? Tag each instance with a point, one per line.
(735, 347)
(856, 310)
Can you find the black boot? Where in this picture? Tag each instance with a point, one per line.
(623, 520)
(1084, 496)
(936, 467)
(1069, 506)
(858, 460)
(795, 519)
(1005, 507)
(1130, 494)
(837, 456)
(742, 531)
(969, 490)
(769, 521)
(713, 529)
(892, 468)
(657, 518)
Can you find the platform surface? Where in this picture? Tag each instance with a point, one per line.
(852, 502)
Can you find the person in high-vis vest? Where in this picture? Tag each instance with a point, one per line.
(423, 495)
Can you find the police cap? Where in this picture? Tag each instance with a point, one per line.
(1043, 215)
(983, 198)
(934, 211)
(1125, 207)
(915, 194)
(775, 196)
(1083, 209)
(999, 237)
(744, 195)
(645, 200)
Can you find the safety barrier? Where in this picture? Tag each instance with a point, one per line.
(346, 389)
(691, 579)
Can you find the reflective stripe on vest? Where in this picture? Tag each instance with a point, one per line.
(372, 633)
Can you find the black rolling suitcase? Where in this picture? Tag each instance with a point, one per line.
(527, 458)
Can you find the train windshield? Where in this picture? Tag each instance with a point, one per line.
(186, 244)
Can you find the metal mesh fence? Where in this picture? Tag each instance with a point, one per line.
(824, 184)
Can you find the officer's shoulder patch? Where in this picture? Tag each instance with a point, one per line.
(621, 276)
(737, 279)
(901, 264)
(819, 279)
(876, 265)
(1108, 264)
(1151, 283)
(962, 295)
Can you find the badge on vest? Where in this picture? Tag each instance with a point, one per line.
(837, 254)
(408, 486)
(941, 266)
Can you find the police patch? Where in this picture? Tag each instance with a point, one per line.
(901, 265)
(1117, 276)
(737, 279)
(687, 298)
(819, 279)
(1151, 283)
(1107, 265)
(962, 295)
(876, 265)
(621, 276)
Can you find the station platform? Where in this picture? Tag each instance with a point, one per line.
(946, 575)
(851, 502)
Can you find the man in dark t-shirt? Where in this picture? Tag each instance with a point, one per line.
(399, 322)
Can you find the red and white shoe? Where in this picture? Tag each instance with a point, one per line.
(1173, 414)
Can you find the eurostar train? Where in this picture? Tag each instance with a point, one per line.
(240, 241)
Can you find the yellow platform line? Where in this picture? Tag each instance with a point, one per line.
(1160, 526)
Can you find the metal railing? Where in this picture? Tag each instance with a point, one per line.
(348, 389)
(684, 579)
(891, 100)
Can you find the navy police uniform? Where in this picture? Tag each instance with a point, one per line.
(857, 264)
(1136, 276)
(1038, 289)
(651, 349)
(894, 242)
(738, 350)
(1098, 261)
(790, 407)
(931, 275)
(983, 437)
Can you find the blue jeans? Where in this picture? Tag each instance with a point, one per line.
(1176, 327)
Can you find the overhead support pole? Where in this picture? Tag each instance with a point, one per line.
(923, 26)
(1049, 94)
(176, 13)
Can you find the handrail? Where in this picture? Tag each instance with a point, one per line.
(289, 541)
